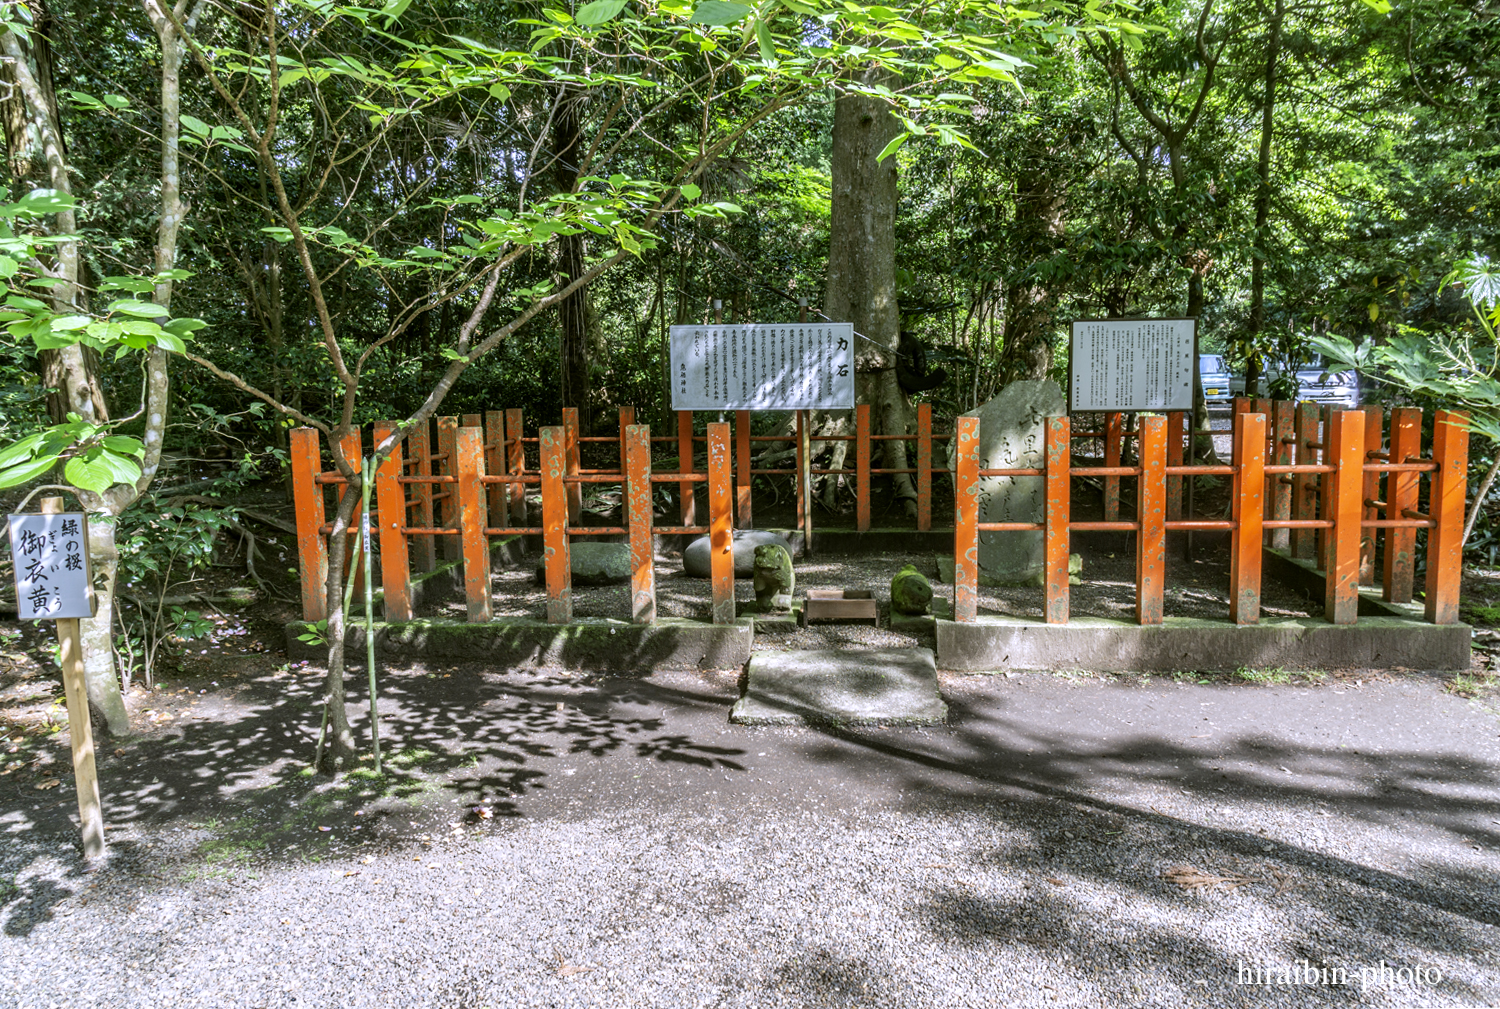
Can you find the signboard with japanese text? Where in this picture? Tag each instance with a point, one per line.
(51, 554)
(1131, 364)
(763, 366)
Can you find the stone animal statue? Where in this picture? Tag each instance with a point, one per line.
(774, 580)
(911, 592)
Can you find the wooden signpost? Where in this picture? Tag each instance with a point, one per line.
(54, 582)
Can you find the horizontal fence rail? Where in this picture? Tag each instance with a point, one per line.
(1320, 484)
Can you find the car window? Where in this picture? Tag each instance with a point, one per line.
(1210, 362)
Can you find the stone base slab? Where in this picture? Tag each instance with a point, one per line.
(893, 686)
(586, 645)
(1185, 644)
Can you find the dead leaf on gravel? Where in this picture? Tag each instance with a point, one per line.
(1057, 882)
(565, 969)
(1190, 878)
(49, 783)
(937, 865)
(1283, 882)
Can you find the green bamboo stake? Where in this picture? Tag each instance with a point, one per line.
(366, 485)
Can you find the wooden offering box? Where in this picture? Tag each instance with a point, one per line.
(844, 605)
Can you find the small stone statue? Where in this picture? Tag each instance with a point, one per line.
(911, 592)
(773, 577)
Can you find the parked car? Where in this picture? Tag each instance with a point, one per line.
(1314, 382)
(1214, 372)
(1317, 383)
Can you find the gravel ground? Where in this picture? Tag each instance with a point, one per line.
(643, 852)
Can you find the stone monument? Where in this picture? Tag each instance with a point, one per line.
(1013, 435)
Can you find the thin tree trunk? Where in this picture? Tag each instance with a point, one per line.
(572, 311)
(1256, 323)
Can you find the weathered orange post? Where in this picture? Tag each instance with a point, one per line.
(469, 444)
(1151, 512)
(514, 428)
(1249, 516)
(966, 520)
(1325, 481)
(1176, 422)
(642, 551)
(1344, 435)
(1305, 485)
(924, 466)
(1370, 493)
(720, 523)
(1445, 553)
(1114, 437)
(1283, 453)
(390, 506)
(742, 509)
(420, 441)
(447, 430)
(574, 463)
(862, 467)
(307, 494)
(689, 510)
(1400, 498)
(556, 557)
(494, 462)
(352, 449)
(1059, 514)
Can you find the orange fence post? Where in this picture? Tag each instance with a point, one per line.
(1249, 516)
(1400, 497)
(1114, 436)
(685, 465)
(307, 495)
(1345, 438)
(1325, 483)
(557, 561)
(447, 495)
(804, 480)
(390, 506)
(1176, 422)
(642, 551)
(352, 450)
(1305, 485)
(924, 466)
(1370, 493)
(1239, 406)
(966, 520)
(627, 418)
(742, 510)
(574, 462)
(516, 464)
(471, 523)
(1445, 548)
(1151, 512)
(862, 467)
(494, 462)
(1058, 515)
(1283, 453)
(720, 523)
(419, 441)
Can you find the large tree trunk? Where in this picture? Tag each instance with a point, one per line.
(862, 265)
(572, 311)
(1256, 323)
(1027, 351)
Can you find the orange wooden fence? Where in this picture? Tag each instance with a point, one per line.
(1304, 479)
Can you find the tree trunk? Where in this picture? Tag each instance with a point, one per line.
(1027, 350)
(572, 311)
(862, 265)
(1256, 323)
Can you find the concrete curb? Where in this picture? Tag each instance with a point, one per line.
(585, 645)
(1186, 644)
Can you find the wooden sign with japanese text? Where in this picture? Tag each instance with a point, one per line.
(797, 366)
(51, 554)
(1131, 364)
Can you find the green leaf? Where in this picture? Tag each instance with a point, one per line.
(195, 125)
(26, 471)
(691, 192)
(123, 444)
(1378, 6)
(8, 267)
(600, 11)
(20, 451)
(764, 42)
(892, 147)
(140, 309)
(719, 13)
(95, 476)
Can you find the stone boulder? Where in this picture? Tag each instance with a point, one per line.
(1013, 435)
(595, 563)
(911, 592)
(695, 559)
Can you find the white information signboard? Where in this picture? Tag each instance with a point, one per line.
(797, 366)
(1131, 364)
(51, 554)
